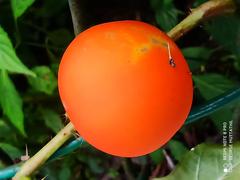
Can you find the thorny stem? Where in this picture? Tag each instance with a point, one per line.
(206, 10)
(41, 156)
(201, 13)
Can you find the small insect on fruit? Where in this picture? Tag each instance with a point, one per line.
(125, 86)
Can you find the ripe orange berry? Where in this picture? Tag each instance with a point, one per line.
(126, 87)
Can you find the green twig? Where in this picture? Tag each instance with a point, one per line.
(41, 156)
(201, 13)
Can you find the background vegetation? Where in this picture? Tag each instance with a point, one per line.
(33, 36)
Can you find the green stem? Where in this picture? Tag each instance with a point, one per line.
(41, 156)
(201, 13)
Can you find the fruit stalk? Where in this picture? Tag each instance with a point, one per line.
(201, 13)
(206, 10)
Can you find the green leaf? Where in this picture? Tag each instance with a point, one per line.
(52, 120)
(211, 85)
(95, 165)
(11, 102)
(166, 13)
(4, 129)
(157, 156)
(65, 173)
(20, 6)
(167, 18)
(45, 81)
(113, 173)
(222, 115)
(226, 31)
(8, 58)
(196, 53)
(177, 149)
(196, 56)
(234, 175)
(206, 162)
(11, 151)
(226, 114)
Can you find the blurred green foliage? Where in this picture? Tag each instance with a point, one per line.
(201, 163)
(166, 13)
(11, 102)
(45, 80)
(33, 36)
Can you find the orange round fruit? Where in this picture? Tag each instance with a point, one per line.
(125, 86)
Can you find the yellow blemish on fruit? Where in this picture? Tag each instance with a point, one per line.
(142, 49)
(158, 41)
(139, 51)
(155, 41)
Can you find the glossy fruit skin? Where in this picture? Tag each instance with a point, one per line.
(119, 89)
